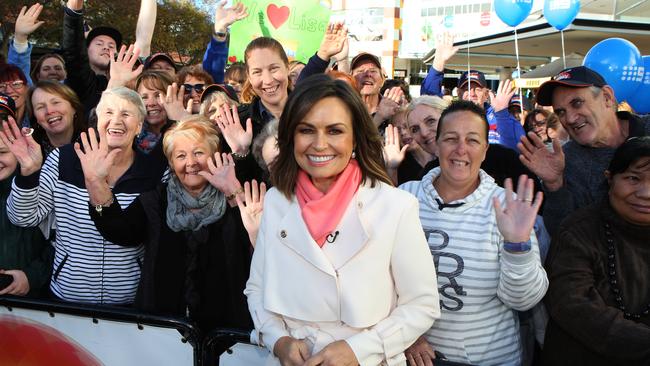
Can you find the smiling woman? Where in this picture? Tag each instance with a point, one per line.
(58, 114)
(481, 238)
(337, 242)
(61, 189)
(599, 265)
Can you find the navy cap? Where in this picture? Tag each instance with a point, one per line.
(105, 31)
(7, 104)
(475, 76)
(574, 77)
(159, 56)
(225, 88)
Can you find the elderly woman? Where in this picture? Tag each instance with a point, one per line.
(87, 267)
(197, 250)
(341, 273)
(599, 266)
(58, 114)
(482, 242)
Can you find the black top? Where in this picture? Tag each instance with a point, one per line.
(409, 169)
(586, 326)
(204, 271)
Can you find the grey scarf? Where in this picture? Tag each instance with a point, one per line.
(185, 212)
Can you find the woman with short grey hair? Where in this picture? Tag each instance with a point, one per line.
(87, 267)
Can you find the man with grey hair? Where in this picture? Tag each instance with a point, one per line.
(573, 174)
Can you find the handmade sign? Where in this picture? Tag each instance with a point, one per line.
(298, 25)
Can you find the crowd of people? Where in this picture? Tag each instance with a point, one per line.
(396, 230)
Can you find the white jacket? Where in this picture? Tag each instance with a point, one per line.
(373, 286)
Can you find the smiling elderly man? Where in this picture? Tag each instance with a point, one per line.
(573, 174)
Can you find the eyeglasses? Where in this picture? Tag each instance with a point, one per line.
(197, 87)
(536, 123)
(15, 85)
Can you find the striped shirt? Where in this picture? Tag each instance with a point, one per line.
(87, 268)
(480, 284)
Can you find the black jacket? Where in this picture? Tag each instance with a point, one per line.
(81, 78)
(218, 273)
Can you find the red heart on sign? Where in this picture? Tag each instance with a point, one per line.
(277, 16)
(232, 59)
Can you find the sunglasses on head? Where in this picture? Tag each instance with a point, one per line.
(197, 87)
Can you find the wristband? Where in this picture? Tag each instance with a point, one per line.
(517, 247)
(108, 203)
(234, 194)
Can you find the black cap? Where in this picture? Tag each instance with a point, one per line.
(574, 77)
(7, 104)
(159, 56)
(474, 76)
(225, 88)
(105, 31)
(364, 56)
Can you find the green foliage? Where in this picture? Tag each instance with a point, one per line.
(181, 27)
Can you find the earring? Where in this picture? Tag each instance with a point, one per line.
(354, 154)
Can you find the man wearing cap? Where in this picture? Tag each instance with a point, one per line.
(505, 129)
(161, 62)
(573, 174)
(88, 60)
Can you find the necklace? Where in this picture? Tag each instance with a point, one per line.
(611, 265)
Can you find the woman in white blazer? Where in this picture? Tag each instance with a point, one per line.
(341, 274)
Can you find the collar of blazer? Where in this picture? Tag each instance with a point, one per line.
(352, 233)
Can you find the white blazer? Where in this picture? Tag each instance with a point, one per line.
(374, 285)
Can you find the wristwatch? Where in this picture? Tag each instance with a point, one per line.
(100, 207)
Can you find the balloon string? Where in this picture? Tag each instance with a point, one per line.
(468, 66)
(563, 54)
(518, 92)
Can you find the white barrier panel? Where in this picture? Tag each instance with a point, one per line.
(27, 336)
(245, 354)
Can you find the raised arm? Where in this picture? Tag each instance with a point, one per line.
(20, 50)
(216, 55)
(432, 84)
(333, 43)
(523, 281)
(145, 26)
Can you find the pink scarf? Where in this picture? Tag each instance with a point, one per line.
(323, 211)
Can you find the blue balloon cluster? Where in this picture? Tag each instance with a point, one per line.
(513, 12)
(561, 13)
(620, 63)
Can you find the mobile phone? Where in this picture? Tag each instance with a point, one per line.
(5, 280)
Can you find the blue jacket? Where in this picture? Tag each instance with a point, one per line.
(214, 59)
(22, 60)
(504, 128)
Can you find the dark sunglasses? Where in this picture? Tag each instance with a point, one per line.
(197, 87)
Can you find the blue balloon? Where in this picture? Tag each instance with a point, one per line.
(513, 12)
(619, 62)
(561, 13)
(640, 99)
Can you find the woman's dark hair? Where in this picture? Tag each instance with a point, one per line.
(530, 118)
(630, 152)
(79, 123)
(390, 83)
(463, 106)
(368, 142)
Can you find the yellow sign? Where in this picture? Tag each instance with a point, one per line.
(530, 83)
